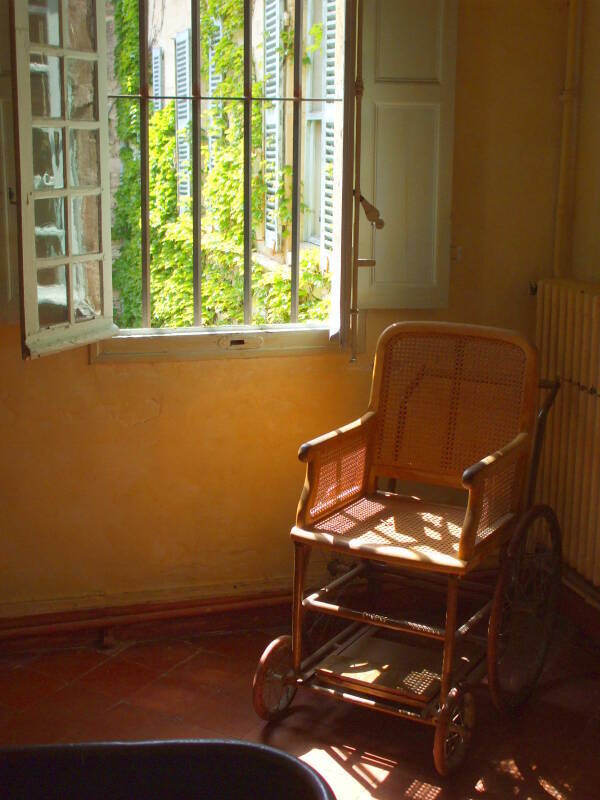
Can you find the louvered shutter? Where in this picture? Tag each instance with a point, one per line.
(328, 130)
(158, 77)
(273, 137)
(214, 81)
(183, 111)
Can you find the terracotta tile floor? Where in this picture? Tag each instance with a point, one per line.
(199, 686)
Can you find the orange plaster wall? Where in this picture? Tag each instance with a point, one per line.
(124, 483)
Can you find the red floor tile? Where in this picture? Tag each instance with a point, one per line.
(124, 722)
(35, 726)
(117, 678)
(68, 664)
(159, 656)
(76, 701)
(21, 688)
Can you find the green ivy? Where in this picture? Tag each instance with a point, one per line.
(171, 227)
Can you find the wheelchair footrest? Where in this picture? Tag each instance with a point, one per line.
(390, 665)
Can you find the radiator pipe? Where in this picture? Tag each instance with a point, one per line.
(563, 231)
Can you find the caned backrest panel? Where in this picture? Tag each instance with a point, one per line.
(448, 395)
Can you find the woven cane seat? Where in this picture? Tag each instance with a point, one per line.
(393, 528)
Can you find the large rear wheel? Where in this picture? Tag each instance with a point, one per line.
(524, 608)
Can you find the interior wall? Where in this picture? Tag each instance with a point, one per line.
(123, 483)
(586, 231)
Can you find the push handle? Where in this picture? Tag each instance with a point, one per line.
(552, 386)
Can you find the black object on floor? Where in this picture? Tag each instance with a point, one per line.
(219, 769)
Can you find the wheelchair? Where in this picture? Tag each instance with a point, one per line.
(431, 491)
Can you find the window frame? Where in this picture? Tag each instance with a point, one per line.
(41, 339)
(206, 341)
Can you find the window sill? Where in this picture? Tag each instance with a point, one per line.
(191, 344)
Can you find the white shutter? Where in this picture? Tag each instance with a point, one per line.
(409, 52)
(273, 135)
(158, 77)
(328, 129)
(65, 257)
(214, 81)
(183, 111)
(214, 77)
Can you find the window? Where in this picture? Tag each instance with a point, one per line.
(225, 194)
(190, 155)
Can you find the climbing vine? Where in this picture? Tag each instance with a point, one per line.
(170, 220)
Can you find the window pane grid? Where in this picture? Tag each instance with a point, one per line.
(195, 146)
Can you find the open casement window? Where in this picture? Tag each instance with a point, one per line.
(183, 90)
(273, 120)
(64, 190)
(409, 54)
(158, 77)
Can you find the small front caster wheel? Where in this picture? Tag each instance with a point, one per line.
(453, 730)
(274, 684)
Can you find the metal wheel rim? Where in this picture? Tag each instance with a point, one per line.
(279, 686)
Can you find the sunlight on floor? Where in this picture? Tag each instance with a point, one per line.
(354, 774)
(419, 790)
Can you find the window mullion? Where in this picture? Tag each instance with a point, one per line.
(196, 164)
(296, 159)
(144, 161)
(247, 162)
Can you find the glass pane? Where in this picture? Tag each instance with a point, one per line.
(122, 50)
(46, 82)
(85, 224)
(49, 227)
(323, 49)
(44, 22)
(223, 212)
(124, 165)
(271, 212)
(48, 171)
(87, 290)
(82, 89)
(222, 45)
(84, 154)
(81, 27)
(171, 227)
(52, 296)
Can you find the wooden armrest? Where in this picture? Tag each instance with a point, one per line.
(474, 478)
(481, 470)
(321, 444)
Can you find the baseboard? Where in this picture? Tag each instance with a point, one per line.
(222, 613)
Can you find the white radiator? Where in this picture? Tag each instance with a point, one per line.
(568, 336)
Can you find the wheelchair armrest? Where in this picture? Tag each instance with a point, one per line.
(321, 444)
(485, 482)
(478, 472)
(336, 469)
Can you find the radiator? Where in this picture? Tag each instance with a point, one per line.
(568, 336)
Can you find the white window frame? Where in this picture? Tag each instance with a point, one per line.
(246, 341)
(38, 340)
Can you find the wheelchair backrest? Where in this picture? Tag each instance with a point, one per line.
(447, 395)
